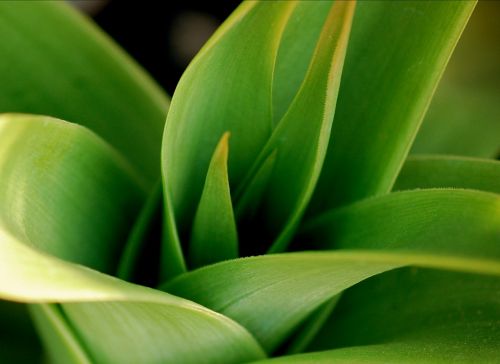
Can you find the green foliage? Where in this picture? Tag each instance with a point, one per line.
(383, 257)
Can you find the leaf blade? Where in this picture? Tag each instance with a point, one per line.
(391, 93)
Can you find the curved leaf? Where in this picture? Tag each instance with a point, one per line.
(64, 190)
(271, 295)
(416, 316)
(134, 319)
(397, 53)
(56, 62)
(442, 222)
(430, 171)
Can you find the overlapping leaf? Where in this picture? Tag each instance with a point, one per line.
(65, 191)
(134, 319)
(397, 53)
(307, 123)
(227, 87)
(428, 317)
(271, 295)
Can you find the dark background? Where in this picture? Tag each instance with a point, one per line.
(162, 36)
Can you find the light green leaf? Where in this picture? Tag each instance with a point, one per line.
(397, 53)
(56, 62)
(135, 320)
(227, 87)
(416, 316)
(272, 295)
(214, 236)
(430, 171)
(65, 191)
(306, 124)
(441, 222)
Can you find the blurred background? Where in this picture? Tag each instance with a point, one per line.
(163, 36)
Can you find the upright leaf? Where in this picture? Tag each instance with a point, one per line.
(295, 51)
(227, 87)
(301, 137)
(397, 53)
(56, 62)
(214, 236)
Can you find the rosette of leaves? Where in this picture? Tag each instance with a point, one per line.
(274, 216)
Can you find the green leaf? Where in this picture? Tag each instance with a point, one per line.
(272, 295)
(416, 316)
(397, 53)
(227, 87)
(65, 191)
(296, 48)
(442, 222)
(60, 342)
(430, 171)
(306, 123)
(135, 320)
(214, 236)
(56, 62)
